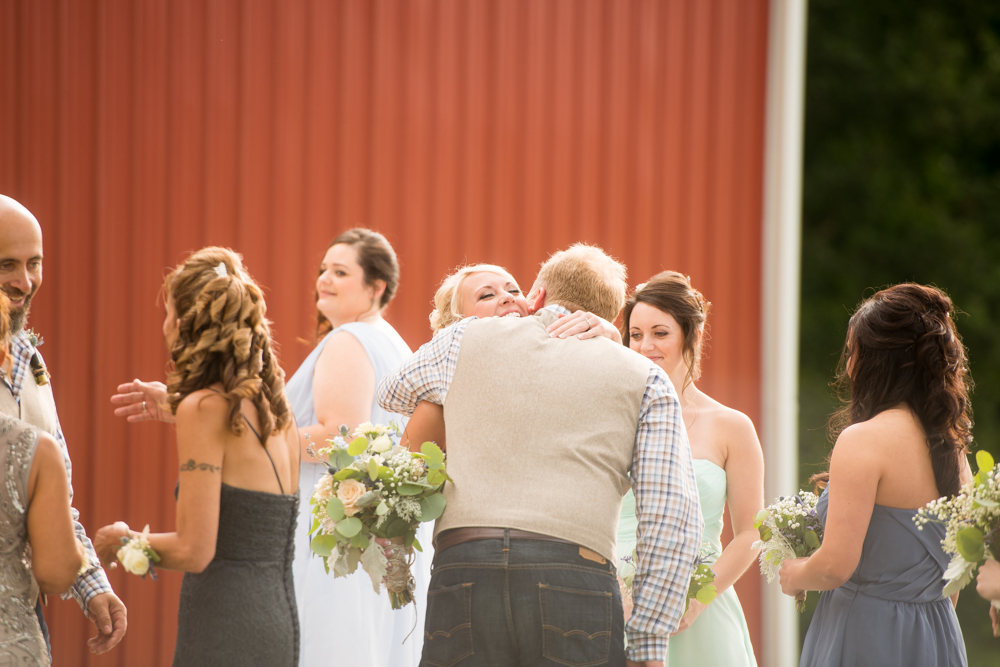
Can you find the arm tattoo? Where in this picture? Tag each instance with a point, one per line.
(191, 465)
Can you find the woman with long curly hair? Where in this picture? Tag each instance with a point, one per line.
(901, 441)
(239, 462)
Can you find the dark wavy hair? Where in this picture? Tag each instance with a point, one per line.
(224, 336)
(672, 293)
(902, 347)
(377, 260)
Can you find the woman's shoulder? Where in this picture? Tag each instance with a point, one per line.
(203, 403)
(888, 425)
(726, 420)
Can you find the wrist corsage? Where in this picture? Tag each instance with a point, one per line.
(137, 557)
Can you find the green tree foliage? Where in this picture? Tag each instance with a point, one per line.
(902, 182)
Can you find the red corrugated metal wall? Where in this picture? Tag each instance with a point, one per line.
(465, 130)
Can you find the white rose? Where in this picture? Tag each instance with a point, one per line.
(348, 492)
(134, 560)
(383, 443)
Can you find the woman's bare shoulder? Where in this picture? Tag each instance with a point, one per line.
(725, 420)
(202, 404)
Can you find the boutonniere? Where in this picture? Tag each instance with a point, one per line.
(38, 369)
(34, 339)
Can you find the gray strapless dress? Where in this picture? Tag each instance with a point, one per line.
(241, 610)
(891, 611)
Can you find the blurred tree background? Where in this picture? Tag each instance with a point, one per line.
(902, 183)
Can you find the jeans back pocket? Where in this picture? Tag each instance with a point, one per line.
(576, 625)
(448, 626)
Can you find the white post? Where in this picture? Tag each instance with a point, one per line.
(781, 291)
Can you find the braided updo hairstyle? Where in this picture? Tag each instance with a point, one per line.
(224, 337)
(902, 347)
(672, 293)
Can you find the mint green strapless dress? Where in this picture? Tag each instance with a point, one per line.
(719, 636)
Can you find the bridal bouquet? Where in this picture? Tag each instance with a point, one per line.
(972, 523)
(374, 488)
(789, 528)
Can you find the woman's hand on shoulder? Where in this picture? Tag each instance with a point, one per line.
(584, 325)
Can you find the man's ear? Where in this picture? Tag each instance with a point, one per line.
(539, 302)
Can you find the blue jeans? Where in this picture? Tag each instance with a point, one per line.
(522, 603)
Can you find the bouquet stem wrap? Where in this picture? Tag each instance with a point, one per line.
(398, 577)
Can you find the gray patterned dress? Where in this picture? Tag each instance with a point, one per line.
(21, 641)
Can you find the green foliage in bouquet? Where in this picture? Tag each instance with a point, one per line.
(972, 523)
(788, 528)
(374, 488)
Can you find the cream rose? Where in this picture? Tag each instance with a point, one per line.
(134, 560)
(324, 488)
(348, 492)
(383, 443)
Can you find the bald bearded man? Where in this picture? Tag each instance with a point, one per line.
(27, 394)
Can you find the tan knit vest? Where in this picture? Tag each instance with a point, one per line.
(540, 431)
(37, 406)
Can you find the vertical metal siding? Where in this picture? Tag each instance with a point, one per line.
(465, 130)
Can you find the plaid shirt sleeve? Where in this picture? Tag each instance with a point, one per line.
(93, 581)
(426, 375)
(669, 517)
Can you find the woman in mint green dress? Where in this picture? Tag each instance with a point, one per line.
(664, 320)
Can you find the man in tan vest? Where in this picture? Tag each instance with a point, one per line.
(26, 393)
(544, 437)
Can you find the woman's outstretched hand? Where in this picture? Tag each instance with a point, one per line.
(143, 401)
(584, 325)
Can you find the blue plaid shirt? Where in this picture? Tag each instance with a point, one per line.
(93, 581)
(666, 492)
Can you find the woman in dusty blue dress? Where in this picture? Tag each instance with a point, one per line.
(343, 621)
(902, 442)
(664, 320)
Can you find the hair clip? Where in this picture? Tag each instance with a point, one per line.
(639, 287)
(221, 271)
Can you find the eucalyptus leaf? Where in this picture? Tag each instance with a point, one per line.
(372, 469)
(432, 452)
(381, 509)
(969, 542)
(812, 541)
(323, 545)
(349, 527)
(335, 509)
(706, 594)
(408, 489)
(431, 507)
(984, 460)
(397, 528)
(347, 473)
(357, 446)
(759, 518)
(343, 459)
